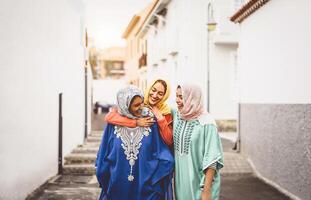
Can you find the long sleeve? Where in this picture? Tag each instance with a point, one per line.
(166, 129)
(102, 163)
(162, 166)
(113, 117)
(165, 124)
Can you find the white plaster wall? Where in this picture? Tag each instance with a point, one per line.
(223, 43)
(106, 90)
(274, 78)
(131, 69)
(41, 55)
(274, 54)
(184, 32)
(223, 91)
(223, 10)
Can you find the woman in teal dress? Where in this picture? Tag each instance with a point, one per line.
(197, 147)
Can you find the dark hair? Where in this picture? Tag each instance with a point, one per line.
(162, 82)
(133, 99)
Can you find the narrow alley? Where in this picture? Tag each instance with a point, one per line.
(79, 181)
(237, 70)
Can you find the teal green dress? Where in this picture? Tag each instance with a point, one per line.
(197, 146)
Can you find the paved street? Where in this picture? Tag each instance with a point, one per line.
(238, 181)
(67, 187)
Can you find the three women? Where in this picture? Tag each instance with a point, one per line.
(197, 146)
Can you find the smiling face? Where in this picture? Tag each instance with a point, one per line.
(179, 98)
(156, 93)
(135, 106)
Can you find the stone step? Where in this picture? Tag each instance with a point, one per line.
(85, 169)
(97, 133)
(85, 150)
(91, 144)
(80, 158)
(93, 139)
(95, 136)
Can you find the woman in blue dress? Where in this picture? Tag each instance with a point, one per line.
(133, 163)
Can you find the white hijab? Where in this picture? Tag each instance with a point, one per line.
(124, 98)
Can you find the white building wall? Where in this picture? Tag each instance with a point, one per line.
(275, 94)
(223, 90)
(41, 55)
(185, 34)
(223, 43)
(131, 69)
(106, 90)
(283, 67)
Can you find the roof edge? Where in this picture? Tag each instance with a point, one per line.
(248, 9)
(153, 8)
(130, 26)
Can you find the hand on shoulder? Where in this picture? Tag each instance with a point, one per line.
(157, 113)
(145, 122)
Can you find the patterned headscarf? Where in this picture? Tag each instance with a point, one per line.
(193, 102)
(162, 105)
(124, 98)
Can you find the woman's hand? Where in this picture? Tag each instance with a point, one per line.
(157, 113)
(144, 122)
(206, 195)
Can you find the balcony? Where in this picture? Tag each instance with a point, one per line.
(142, 61)
(225, 39)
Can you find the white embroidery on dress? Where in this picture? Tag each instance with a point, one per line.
(131, 142)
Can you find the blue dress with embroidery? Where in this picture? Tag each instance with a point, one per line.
(134, 164)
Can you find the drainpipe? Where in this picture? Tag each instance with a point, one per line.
(211, 26)
(85, 100)
(208, 63)
(238, 140)
(207, 71)
(60, 134)
(208, 81)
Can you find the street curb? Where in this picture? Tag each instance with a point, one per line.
(232, 174)
(271, 183)
(41, 188)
